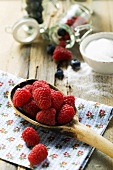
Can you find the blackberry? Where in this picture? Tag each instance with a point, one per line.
(61, 32)
(50, 49)
(59, 74)
(34, 9)
(75, 64)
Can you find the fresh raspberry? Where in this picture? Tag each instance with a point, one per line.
(61, 53)
(66, 37)
(21, 96)
(66, 114)
(69, 100)
(28, 87)
(42, 96)
(38, 154)
(62, 43)
(56, 99)
(70, 21)
(31, 109)
(47, 116)
(30, 136)
(39, 83)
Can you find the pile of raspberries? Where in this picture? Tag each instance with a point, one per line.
(44, 104)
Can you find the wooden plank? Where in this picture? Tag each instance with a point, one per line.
(7, 166)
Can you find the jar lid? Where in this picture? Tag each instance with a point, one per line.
(26, 30)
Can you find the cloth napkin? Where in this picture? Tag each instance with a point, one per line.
(64, 152)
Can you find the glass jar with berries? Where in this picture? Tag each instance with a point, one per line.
(69, 28)
(31, 27)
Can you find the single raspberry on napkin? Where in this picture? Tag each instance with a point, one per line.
(56, 99)
(69, 100)
(38, 154)
(30, 136)
(47, 116)
(66, 114)
(31, 109)
(61, 53)
(21, 96)
(42, 96)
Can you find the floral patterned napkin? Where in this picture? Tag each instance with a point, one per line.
(65, 153)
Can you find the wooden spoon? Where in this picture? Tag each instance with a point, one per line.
(74, 128)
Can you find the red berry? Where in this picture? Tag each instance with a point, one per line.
(66, 114)
(39, 83)
(61, 53)
(69, 100)
(31, 109)
(30, 136)
(47, 116)
(67, 36)
(42, 96)
(38, 154)
(21, 96)
(56, 99)
(70, 21)
(62, 43)
(28, 87)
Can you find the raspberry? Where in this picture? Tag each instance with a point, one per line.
(62, 43)
(70, 21)
(56, 99)
(39, 83)
(28, 87)
(66, 37)
(61, 53)
(30, 136)
(66, 114)
(70, 100)
(47, 116)
(21, 96)
(31, 109)
(42, 96)
(38, 154)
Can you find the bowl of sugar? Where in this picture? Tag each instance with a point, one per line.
(97, 51)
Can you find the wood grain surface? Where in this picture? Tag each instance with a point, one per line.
(32, 61)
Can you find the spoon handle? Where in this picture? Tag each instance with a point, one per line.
(89, 136)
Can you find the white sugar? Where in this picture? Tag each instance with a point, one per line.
(100, 49)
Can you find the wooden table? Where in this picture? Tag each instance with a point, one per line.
(32, 61)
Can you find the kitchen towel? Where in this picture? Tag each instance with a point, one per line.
(64, 152)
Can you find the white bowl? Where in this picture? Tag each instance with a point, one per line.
(102, 63)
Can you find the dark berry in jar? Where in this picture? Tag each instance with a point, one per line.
(61, 32)
(75, 64)
(50, 49)
(40, 20)
(35, 15)
(59, 74)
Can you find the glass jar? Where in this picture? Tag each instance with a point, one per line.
(30, 28)
(69, 27)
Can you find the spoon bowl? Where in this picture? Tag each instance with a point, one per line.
(74, 128)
